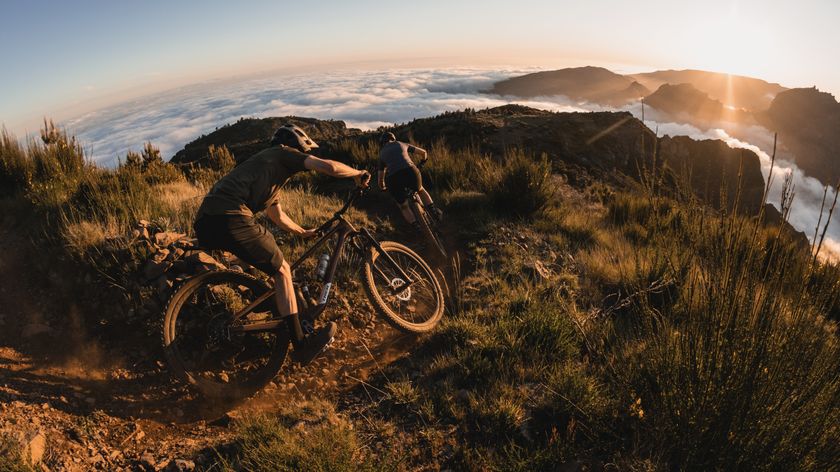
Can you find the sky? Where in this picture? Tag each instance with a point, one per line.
(66, 58)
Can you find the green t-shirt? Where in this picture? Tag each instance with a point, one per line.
(254, 185)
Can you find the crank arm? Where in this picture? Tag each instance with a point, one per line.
(257, 327)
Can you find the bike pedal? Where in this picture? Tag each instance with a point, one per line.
(307, 326)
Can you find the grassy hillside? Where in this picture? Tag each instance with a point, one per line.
(597, 325)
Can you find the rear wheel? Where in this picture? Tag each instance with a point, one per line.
(427, 226)
(201, 349)
(417, 308)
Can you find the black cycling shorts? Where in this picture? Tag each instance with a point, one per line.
(244, 237)
(402, 183)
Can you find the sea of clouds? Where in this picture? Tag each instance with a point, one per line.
(363, 99)
(369, 99)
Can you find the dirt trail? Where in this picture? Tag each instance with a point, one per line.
(101, 409)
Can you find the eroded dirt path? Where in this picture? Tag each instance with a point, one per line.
(108, 409)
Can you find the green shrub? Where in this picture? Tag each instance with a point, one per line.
(580, 228)
(312, 438)
(16, 169)
(220, 159)
(626, 208)
(454, 171)
(46, 172)
(740, 372)
(519, 186)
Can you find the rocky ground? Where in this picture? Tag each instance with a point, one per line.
(74, 405)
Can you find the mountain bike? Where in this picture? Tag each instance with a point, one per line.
(221, 330)
(428, 222)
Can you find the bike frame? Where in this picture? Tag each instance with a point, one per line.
(345, 232)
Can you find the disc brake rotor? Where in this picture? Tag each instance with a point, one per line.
(403, 296)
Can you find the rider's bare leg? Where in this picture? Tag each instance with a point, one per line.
(425, 197)
(406, 212)
(284, 297)
(309, 347)
(284, 294)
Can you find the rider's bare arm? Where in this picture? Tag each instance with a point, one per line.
(336, 169)
(381, 178)
(280, 218)
(412, 150)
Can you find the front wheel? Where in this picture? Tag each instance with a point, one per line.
(418, 307)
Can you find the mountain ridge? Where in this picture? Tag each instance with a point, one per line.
(737, 91)
(589, 83)
(601, 85)
(808, 123)
(806, 120)
(601, 145)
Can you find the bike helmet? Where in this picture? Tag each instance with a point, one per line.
(292, 136)
(387, 137)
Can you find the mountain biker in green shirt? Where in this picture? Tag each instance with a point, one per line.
(400, 176)
(226, 221)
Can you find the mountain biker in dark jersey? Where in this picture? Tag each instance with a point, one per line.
(399, 175)
(226, 221)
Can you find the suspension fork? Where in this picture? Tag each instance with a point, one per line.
(390, 260)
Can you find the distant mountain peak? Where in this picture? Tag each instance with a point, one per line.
(601, 85)
(589, 83)
(808, 123)
(732, 90)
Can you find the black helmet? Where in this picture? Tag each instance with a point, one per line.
(292, 136)
(387, 137)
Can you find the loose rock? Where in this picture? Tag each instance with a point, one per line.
(180, 465)
(35, 448)
(166, 238)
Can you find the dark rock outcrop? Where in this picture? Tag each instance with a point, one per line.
(716, 171)
(608, 146)
(684, 103)
(808, 123)
(601, 142)
(732, 90)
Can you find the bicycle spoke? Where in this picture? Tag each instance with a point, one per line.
(412, 304)
(208, 348)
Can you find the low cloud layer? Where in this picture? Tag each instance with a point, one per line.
(367, 100)
(364, 100)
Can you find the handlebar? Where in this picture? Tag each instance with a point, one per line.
(351, 198)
